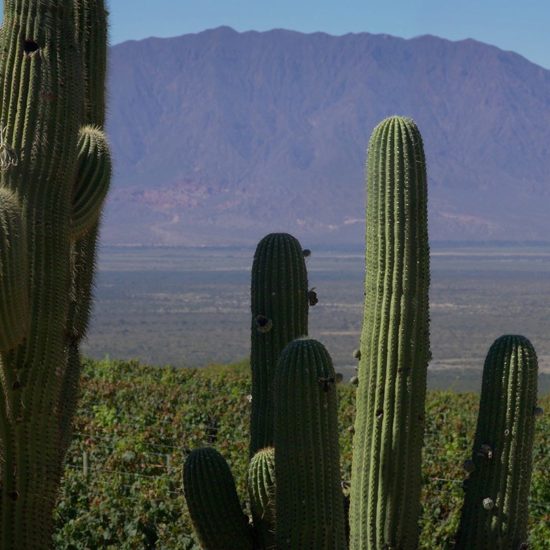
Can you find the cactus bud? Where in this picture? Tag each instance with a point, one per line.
(263, 324)
(485, 451)
(312, 297)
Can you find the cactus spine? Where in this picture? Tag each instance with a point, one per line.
(309, 500)
(42, 109)
(213, 503)
(279, 303)
(495, 508)
(389, 425)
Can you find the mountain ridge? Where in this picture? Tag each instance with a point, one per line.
(220, 137)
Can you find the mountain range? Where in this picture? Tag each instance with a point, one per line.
(220, 137)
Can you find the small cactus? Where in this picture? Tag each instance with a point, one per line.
(309, 502)
(495, 508)
(213, 504)
(261, 490)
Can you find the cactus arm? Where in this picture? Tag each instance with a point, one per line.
(91, 35)
(309, 501)
(213, 504)
(279, 305)
(89, 190)
(92, 180)
(495, 510)
(386, 473)
(261, 491)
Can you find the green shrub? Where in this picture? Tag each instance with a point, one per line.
(131, 501)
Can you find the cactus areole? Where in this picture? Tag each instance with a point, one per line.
(389, 426)
(44, 101)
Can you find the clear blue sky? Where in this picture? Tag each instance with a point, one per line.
(518, 25)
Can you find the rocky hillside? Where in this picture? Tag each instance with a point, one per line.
(220, 137)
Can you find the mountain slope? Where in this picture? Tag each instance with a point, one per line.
(220, 137)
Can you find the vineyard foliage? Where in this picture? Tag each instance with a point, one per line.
(135, 425)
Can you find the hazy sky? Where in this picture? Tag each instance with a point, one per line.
(518, 25)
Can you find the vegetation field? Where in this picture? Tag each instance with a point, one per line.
(122, 487)
(190, 307)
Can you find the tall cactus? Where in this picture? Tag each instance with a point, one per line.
(42, 109)
(309, 501)
(389, 425)
(279, 303)
(494, 515)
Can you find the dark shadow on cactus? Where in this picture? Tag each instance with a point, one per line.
(30, 46)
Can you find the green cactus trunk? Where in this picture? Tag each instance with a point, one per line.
(89, 192)
(213, 504)
(94, 159)
(279, 303)
(389, 426)
(41, 101)
(309, 501)
(495, 511)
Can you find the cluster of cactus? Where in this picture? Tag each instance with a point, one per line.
(54, 175)
(294, 472)
(294, 478)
